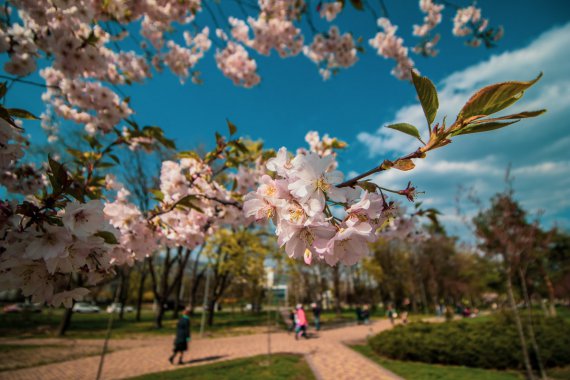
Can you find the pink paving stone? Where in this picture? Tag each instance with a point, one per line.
(327, 355)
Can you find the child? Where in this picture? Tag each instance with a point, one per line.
(301, 323)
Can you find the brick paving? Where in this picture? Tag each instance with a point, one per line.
(326, 353)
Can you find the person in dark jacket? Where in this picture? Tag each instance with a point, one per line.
(317, 315)
(182, 337)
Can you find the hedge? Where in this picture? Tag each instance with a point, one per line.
(490, 343)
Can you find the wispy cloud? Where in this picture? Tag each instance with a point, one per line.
(538, 149)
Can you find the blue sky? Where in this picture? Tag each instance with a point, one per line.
(292, 99)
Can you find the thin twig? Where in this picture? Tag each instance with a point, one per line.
(384, 9)
(212, 14)
(310, 18)
(351, 182)
(31, 83)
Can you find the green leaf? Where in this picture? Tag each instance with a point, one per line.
(104, 165)
(239, 145)
(494, 98)
(59, 175)
(482, 127)
(22, 114)
(406, 128)
(115, 158)
(109, 237)
(189, 154)
(188, 201)
(427, 95)
(371, 187)
(231, 127)
(358, 4)
(158, 195)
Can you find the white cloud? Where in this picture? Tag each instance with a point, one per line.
(538, 149)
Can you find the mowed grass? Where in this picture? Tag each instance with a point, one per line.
(279, 367)
(422, 371)
(93, 326)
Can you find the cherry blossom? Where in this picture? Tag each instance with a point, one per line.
(388, 45)
(332, 51)
(329, 11)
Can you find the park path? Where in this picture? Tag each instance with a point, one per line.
(326, 354)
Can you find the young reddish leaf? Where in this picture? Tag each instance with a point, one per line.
(483, 127)
(404, 165)
(427, 95)
(520, 115)
(494, 98)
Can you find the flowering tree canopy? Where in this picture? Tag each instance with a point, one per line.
(87, 49)
(71, 217)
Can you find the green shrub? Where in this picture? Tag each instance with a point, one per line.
(493, 343)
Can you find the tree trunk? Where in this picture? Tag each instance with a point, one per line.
(65, 321)
(141, 291)
(513, 304)
(550, 289)
(211, 311)
(177, 291)
(159, 314)
(336, 282)
(530, 327)
(123, 294)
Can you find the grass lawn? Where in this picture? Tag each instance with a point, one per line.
(42, 325)
(16, 356)
(282, 367)
(93, 326)
(422, 371)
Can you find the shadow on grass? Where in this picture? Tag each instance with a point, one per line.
(203, 360)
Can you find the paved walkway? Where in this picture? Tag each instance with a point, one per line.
(326, 354)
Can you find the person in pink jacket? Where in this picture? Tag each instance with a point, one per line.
(301, 329)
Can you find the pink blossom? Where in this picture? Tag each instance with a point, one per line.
(390, 46)
(329, 11)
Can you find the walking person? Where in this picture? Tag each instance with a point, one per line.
(405, 310)
(293, 320)
(366, 314)
(358, 311)
(392, 315)
(317, 315)
(182, 337)
(301, 329)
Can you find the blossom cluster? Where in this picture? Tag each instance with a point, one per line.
(469, 22)
(182, 59)
(90, 239)
(12, 144)
(40, 258)
(89, 46)
(273, 29)
(332, 51)
(431, 20)
(389, 46)
(235, 63)
(329, 11)
(314, 218)
(84, 102)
